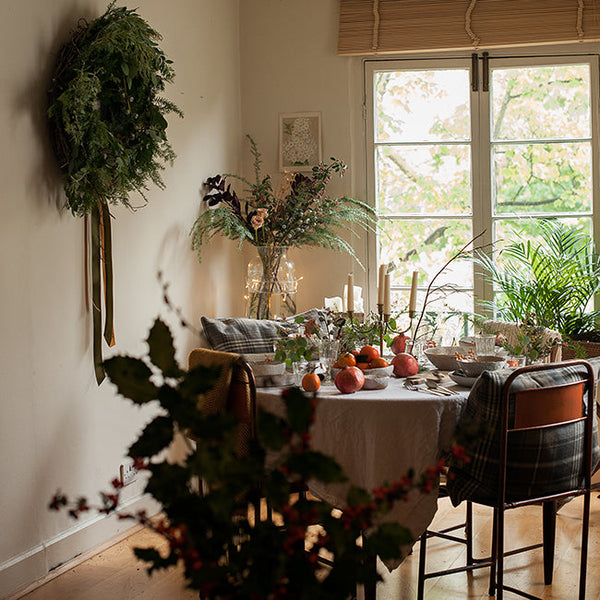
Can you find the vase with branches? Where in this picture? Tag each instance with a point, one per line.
(296, 212)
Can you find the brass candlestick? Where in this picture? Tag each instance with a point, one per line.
(382, 326)
(385, 327)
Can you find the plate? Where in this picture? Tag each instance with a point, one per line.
(462, 379)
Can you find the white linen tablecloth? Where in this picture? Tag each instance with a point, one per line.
(377, 436)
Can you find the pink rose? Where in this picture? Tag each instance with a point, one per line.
(257, 221)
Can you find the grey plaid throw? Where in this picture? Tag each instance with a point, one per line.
(547, 460)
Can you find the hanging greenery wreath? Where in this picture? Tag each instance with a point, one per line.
(108, 128)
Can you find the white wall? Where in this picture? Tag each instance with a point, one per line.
(57, 427)
(289, 64)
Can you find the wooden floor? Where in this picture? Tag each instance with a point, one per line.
(114, 574)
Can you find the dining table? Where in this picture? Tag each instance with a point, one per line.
(377, 436)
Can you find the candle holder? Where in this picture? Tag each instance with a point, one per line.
(382, 326)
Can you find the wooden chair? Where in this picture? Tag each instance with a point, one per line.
(234, 393)
(545, 411)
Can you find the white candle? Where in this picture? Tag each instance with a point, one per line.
(386, 294)
(412, 304)
(350, 294)
(380, 293)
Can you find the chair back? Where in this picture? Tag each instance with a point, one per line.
(527, 410)
(234, 392)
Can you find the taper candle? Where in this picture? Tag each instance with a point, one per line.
(386, 294)
(350, 293)
(412, 304)
(380, 293)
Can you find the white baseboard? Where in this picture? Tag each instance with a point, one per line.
(27, 571)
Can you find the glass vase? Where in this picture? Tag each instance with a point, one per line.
(271, 284)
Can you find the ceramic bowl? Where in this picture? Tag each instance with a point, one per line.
(476, 366)
(377, 379)
(443, 357)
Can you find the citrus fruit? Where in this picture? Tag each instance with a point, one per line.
(311, 382)
(370, 352)
(347, 360)
(379, 362)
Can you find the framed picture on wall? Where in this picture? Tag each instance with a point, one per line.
(299, 141)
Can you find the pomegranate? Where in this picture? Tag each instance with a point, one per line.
(398, 344)
(405, 365)
(349, 379)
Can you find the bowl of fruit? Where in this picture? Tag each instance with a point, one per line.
(375, 369)
(444, 358)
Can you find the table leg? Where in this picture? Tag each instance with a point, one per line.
(371, 568)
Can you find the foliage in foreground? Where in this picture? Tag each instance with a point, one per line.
(224, 554)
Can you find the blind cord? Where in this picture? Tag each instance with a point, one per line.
(375, 42)
(580, 20)
(474, 38)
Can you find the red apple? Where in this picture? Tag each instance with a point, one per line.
(349, 379)
(405, 365)
(398, 344)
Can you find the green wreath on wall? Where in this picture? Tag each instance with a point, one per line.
(108, 128)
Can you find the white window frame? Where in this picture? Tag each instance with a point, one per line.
(480, 141)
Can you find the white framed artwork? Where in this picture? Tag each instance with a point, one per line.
(299, 141)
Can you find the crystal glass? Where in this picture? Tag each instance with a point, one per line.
(485, 344)
(328, 354)
(271, 284)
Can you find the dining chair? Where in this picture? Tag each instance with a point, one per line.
(538, 445)
(234, 393)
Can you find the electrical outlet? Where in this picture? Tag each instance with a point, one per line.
(128, 473)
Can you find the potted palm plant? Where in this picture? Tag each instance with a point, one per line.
(549, 281)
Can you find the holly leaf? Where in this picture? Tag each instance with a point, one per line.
(152, 555)
(315, 465)
(357, 496)
(132, 378)
(162, 351)
(299, 411)
(198, 381)
(157, 435)
(387, 541)
(270, 430)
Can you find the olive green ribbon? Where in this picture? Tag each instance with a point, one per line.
(102, 279)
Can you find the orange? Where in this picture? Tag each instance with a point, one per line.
(311, 382)
(379, 362)
(363, 366)
(370, 352)
(347, 360)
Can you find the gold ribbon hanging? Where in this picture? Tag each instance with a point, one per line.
(102, 280)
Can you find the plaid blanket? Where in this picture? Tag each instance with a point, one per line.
(547, 460)
(253, 336)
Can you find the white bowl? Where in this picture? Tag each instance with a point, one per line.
(444, 357)
(378, 378)
(476, 366)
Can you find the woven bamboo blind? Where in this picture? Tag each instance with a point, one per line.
(385, 26)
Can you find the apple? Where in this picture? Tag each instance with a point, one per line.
(405, 365)
(398, 344)
(349, 379)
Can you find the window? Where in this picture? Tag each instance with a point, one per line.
(465, 146)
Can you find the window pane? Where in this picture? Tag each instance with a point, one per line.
(424, 245)
(541, 102)
(444, 321)
(511, 230)
(548, 177)
(430, 105)
(424, 179)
